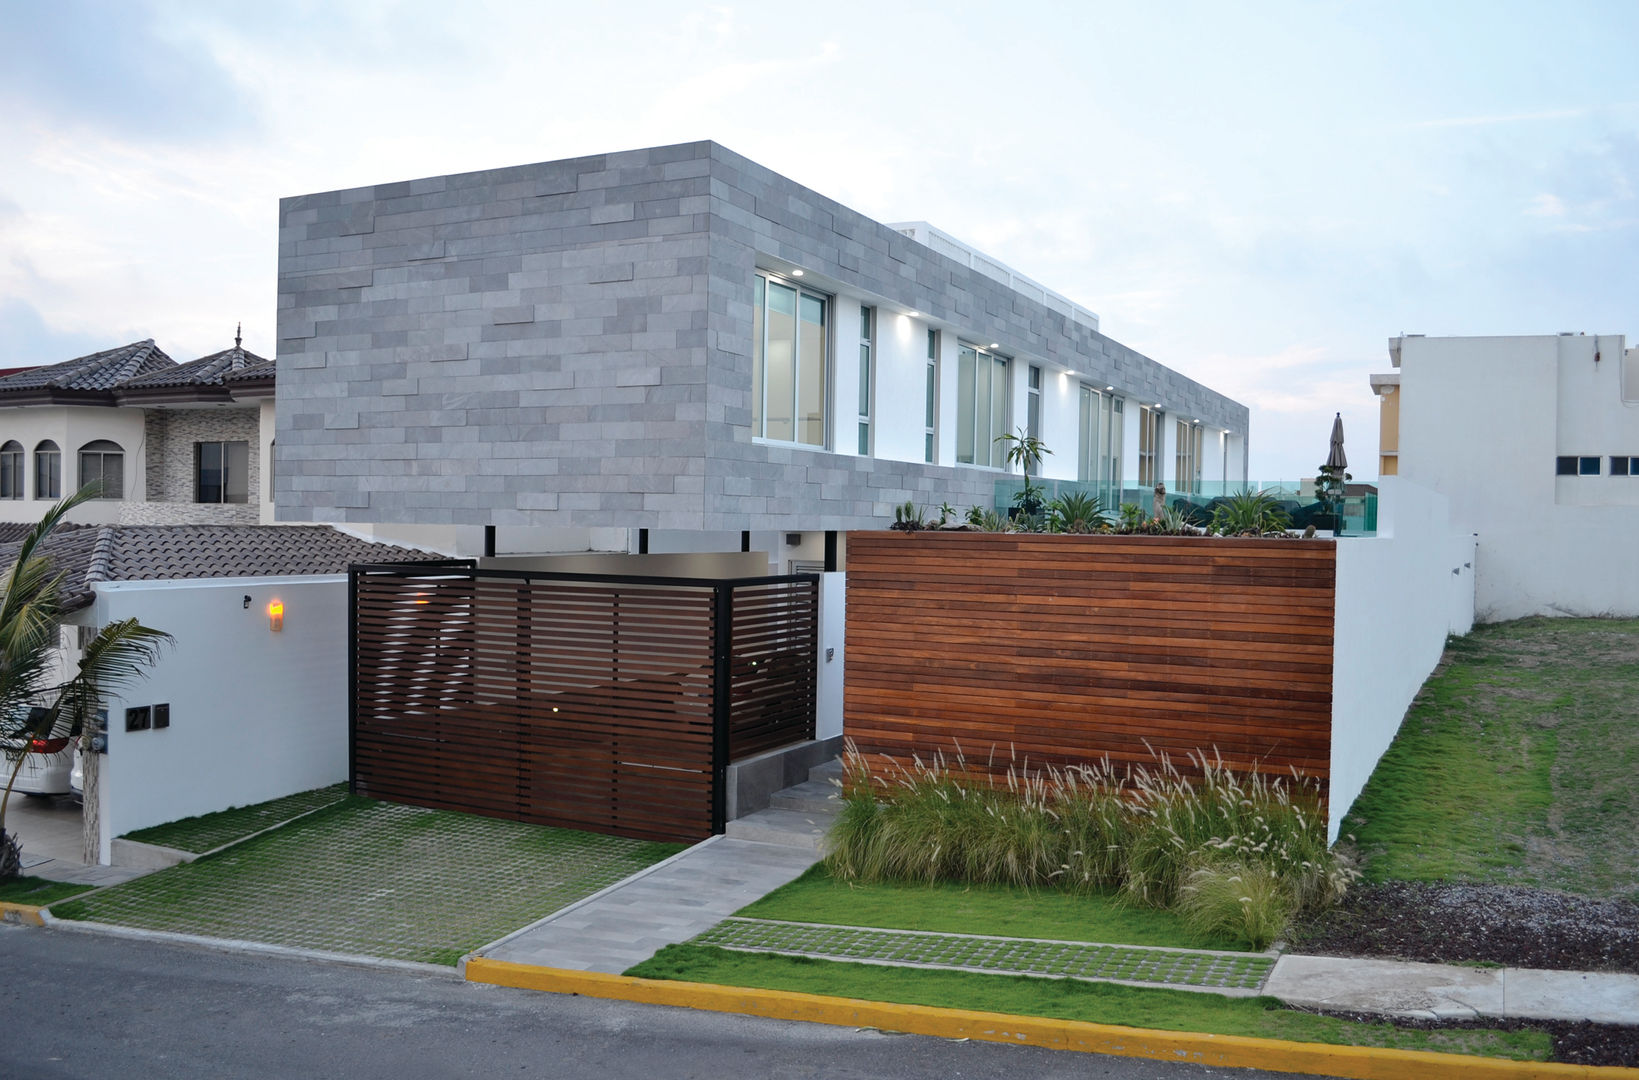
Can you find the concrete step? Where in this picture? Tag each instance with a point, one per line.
(787, 828)
(826, 772)
(813, 797)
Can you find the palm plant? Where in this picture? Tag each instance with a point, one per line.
(1249, 513)
(1077, 512)
(32, 706)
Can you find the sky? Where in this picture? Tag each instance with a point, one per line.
(1255, 194)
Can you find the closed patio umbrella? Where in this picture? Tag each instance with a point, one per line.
(1337, 459)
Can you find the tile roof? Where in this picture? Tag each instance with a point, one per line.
(88, 554)
(95, 371)
(210, 370)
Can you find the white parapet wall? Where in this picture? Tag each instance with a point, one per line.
(1400, 594)
(254, 713)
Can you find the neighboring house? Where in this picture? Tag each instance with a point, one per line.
(689, 352)
(170, 443)
(1535, 442)
(236, 711)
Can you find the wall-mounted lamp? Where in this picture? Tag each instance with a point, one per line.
(276, 616)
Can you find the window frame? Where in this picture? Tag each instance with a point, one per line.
(867, 378)
(930, 404)
(1151, 421)
(47, 451)
(1032, 401)
(12, 477)
(967, 415)
(103, 450)
(759, 353)
(223, 448)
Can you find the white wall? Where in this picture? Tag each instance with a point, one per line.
(1482, 420)
(71, 427)
(264, 421)
(254, 714)
(1399, 595)
(833, 625)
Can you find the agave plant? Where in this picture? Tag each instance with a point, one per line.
(1077, 512)
(909, 518)
(1249, 513)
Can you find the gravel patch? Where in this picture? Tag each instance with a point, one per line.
(1501, 924)
(1576, 1042)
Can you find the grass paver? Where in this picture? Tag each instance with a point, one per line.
(207, 832)
(39, 892)
(1014, 956)
(376, 879)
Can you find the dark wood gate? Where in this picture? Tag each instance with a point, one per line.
(605, 703)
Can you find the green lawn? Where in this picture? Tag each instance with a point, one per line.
(996, 910)
(1068, 999)
(208, 832)
(1516, 765)
(376, 879)
(38, 891)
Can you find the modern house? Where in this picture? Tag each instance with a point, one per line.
(676, 346)
(170, 443)
(1535, 442)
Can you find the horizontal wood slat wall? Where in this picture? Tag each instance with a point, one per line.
(584, 704)
(1064, 648)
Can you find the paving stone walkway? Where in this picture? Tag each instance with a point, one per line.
(1223, 972)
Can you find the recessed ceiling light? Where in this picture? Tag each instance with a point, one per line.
(1197, 422)
(1157, 404)
(995, 344)
(914, 314)
(796, 273)
(1109, 388)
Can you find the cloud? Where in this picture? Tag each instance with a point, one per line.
(119, 68)
(28, 341)
(1546, 205)
(1500, 118)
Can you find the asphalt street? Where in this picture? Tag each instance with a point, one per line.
(84, 1006)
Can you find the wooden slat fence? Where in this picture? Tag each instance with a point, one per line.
(1069, 648)
(571, 700)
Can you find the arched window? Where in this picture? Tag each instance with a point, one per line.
(11, 470)
(48, 470)
(103, 461)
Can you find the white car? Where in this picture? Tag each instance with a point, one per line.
(46, 765)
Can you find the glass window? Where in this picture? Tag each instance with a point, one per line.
(1114, 430)
(788, 369)
(11, 470)
(1625, 466)
(1587, 466)
(1032, 410)
(981, 406)
(867, 323)
(1187, 458)
(222, 472)
(1564, 466)
(1149, 446)
(103, 463)
(930, 398)
(1088, 442)
(48, 471)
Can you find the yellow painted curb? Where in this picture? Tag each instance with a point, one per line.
(21, 913)
(1360, 1062)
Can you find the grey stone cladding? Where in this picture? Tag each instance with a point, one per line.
(170, 436)
(569, 343)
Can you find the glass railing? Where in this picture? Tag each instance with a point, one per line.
(1296, 497)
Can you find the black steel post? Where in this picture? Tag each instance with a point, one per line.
(745, 540)
(643, 541)
(830, 551)
(352, 679)
(722, 692)
(489, 541)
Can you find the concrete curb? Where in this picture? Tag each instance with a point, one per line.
(1230, 1051)
(238, 945)
(26, 914)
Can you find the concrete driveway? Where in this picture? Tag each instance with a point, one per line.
(49, 830)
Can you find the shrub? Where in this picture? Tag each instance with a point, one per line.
(1150, 833)
(1235, 898)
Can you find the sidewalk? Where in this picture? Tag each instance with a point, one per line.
(50, 832)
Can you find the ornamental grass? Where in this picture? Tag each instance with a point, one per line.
(1155, 835)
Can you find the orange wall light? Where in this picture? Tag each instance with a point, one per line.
(276, 616)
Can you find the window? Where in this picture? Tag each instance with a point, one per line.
(1587, 466)
(1187, 458)
(11, 470)
(1149, 446)
(981, 406)
(867, 323)
(103, 462)
(1032, 411)
(1099, 445)
(48, 471)
(931, 398)
(1625, 466)
(788, 367)
(1113, 421)
(221, 472)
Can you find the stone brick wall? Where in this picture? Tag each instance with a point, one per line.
(568, 344)
(170, 435)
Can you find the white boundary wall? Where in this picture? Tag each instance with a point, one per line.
(254, 714)
(1399, 595)
(833, 625)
